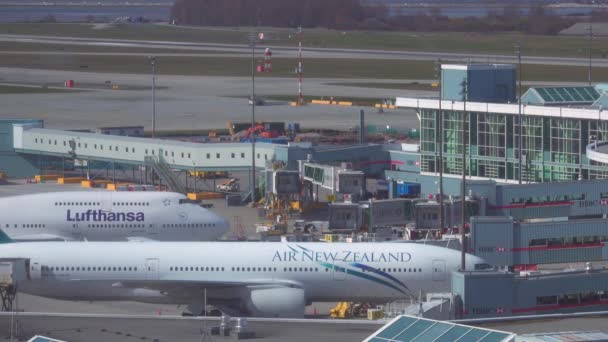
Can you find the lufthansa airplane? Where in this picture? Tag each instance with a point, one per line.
(264, 279)
(108, 216)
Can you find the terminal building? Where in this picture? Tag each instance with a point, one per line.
(560, 125)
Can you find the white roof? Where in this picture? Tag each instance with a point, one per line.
(503, 108)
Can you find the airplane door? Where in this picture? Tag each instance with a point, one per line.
(439, 270)
(35, 271)
(106, 200)
(339, 273)
(151, 269)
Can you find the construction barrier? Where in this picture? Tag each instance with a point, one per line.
(70, 180)
(42, 178)
(199, 196)
(383, 105)
(117, 186)
(320, 102)
(345, 103)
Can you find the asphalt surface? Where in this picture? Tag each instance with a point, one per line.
(189, 102)
(291, 52)
(178, 329)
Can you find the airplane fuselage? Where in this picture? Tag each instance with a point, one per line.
(108, 216)
(178, 272)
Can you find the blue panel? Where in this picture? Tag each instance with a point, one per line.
(397, 327)
(433, 332)
(414, 330)
(453, 334)
(474, 335)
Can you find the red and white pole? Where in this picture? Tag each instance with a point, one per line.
(300, 99)
(267, 60)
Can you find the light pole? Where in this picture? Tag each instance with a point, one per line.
(440, 131)
(252, 39)
(590, 30)
(153, 64)
(465, 95)
(521, 124)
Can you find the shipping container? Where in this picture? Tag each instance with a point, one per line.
(406, 190)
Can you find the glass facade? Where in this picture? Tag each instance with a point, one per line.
(552, 148)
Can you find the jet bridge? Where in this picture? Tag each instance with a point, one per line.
(12, 272)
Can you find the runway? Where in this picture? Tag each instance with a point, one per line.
(237, 50)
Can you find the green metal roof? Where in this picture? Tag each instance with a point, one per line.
(407, 328)
(560, 95)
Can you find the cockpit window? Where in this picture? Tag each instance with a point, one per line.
(187, 200)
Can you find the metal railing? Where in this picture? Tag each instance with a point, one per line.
(162, 169)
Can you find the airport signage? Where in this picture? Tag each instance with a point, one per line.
(344, 256)
(104, 216)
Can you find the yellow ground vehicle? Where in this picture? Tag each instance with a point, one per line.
(342, 310)
(208, 174)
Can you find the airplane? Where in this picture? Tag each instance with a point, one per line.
(260, 279)
(108, 216)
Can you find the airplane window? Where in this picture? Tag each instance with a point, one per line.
(72, 268)
(300, 269)
(238, 269)
(284, 269)
(248, 269)
(316, 269)
(77, 268)
(233, 269)
(191, 268)
(414, 270)
(327, 270)
(253, 269)
(222, 269)
(196, 269)
(264, 269)
(134, 268)
(181, 268)
(170, 268)
(206, 268)
(88, 268)
(290, 269)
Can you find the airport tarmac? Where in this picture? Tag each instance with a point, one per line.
(94, 328)
(190, 102)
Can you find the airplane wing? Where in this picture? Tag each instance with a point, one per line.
(175, 286)
(41, 237)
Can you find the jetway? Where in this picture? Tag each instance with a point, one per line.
(13, 272)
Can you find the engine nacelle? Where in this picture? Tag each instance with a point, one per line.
(284, 302)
